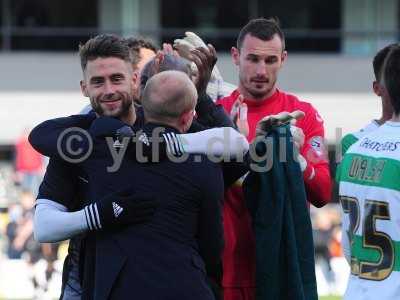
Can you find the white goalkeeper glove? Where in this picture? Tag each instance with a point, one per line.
(216, 87)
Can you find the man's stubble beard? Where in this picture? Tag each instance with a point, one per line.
(123, 111)
(259, 95)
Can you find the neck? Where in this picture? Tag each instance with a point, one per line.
(387, 114)
(165, 123)
(250, 96)
(395, 118)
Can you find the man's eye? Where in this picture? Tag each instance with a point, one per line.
(97, 81)
(271, 60)
(253, 59)
(118, 78)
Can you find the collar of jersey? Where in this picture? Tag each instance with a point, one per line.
(392, 124)
(150, 126)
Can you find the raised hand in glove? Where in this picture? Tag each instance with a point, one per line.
(188, 43)
(120, 209)
(204, 58)
(216, 87)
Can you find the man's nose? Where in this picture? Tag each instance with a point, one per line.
(261, 68)
(109, 88)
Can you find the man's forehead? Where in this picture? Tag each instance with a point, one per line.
(145, 56)
(256, 46)
(105, 65)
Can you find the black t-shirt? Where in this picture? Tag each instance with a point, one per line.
(64, 183)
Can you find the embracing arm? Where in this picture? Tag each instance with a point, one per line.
(210, 114)
(53, 223)
(53, 220)
(45, 137)
(59, 196)
(224, 141)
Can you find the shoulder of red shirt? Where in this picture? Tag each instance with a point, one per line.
(306, 107)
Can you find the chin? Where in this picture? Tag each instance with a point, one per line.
(258, 90)
(112, 113)
(257, 94)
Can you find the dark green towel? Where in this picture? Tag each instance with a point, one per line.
(276, 199)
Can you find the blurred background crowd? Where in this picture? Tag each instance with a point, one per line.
(27, 268)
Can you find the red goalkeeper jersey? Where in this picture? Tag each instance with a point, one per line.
(239, 251)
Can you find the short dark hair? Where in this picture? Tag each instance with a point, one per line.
(263, 29)
(379, 58)
(391, 77)
(135, 44)
(104, 45)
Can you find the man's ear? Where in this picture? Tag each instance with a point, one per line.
(158, 60)
(84, 88)
(135, 80)
(284, 57)
(186, 120)
(235, 55)
(376, 87)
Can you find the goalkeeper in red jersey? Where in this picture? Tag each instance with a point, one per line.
(260, 54)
